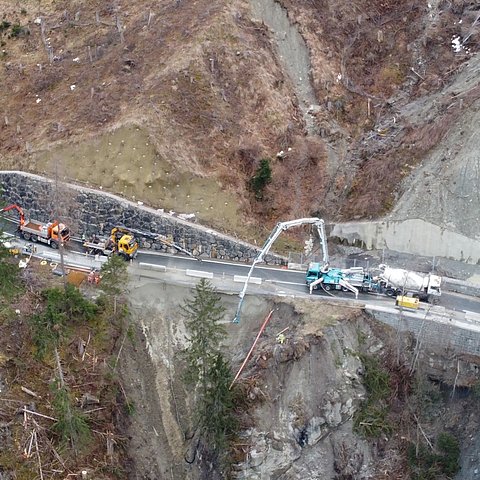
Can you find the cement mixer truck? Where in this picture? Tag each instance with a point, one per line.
(385, 280)
(397, 281)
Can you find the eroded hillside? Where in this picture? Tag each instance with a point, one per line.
(340, 397)
(174, 103)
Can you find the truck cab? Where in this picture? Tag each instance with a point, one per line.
(313, 273)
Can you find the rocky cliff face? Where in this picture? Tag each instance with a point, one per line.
(315, 405)
(308, 390)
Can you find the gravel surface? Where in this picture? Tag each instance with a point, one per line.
(445, 189)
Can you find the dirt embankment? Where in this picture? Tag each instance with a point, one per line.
(200, 79)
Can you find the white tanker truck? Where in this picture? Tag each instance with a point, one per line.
(424, 286)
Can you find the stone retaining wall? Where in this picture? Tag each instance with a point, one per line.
(91, 211)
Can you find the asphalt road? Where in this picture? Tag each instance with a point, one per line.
(290, 281)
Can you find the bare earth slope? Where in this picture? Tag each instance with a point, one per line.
(445, 189)
(174, 103)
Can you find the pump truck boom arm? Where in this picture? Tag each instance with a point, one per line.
(281, 227)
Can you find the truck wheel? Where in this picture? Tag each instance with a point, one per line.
(344, 289)
(390, 292)
(35, 238)
(327, 287)
(27, 236)
(54, 245)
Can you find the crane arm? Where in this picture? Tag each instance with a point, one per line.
(163, 239)
(19, 210)
(281, 227)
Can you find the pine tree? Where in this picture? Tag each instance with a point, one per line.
(218, 419)
(209, 372)
(202, 314)
(262, 177)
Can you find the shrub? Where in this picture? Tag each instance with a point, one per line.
(428, 465)
(262, 177)
(5, 25)
(449, 456)
(19, 31)
(61, 307)
(9, 280)
(372, 418)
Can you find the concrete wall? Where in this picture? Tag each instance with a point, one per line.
(413, 236)
(88, 211)
(438, 330)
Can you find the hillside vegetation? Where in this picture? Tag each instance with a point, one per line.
(176, 103)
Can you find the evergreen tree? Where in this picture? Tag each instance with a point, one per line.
(218, 419)
(209, 372)
(202, 314)
(114, 278)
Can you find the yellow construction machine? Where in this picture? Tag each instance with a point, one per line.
(124, 242)
(121, 242)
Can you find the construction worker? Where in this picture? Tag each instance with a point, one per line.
(281, 338)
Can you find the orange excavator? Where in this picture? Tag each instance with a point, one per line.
(52, 233)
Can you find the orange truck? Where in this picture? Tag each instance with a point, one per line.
(52, 233)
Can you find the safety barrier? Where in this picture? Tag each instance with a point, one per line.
(199, 274)
(152, 266)
(242, 278)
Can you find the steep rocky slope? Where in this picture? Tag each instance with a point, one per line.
(206, 90)
(304, 401)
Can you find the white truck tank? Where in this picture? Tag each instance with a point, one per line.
(408, 280)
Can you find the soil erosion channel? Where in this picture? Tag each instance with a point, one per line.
(292, 51)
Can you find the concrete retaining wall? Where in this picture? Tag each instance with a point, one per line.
(438, 331)
(88, 211)
(413, 236)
